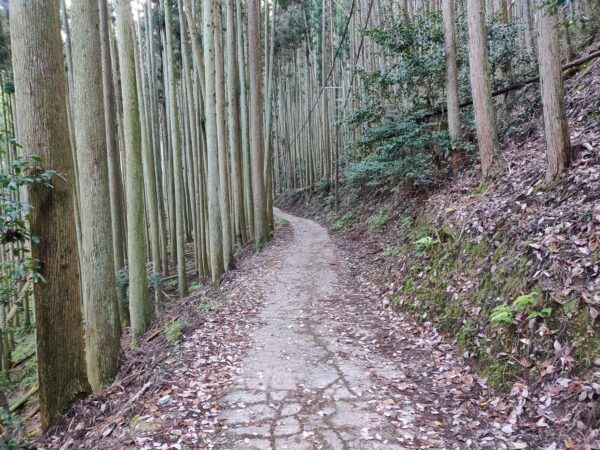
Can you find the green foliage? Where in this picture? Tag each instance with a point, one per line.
(527, 301)
(341, 222)
(122, 276)
(400, 152)
(391, 251)
(424, 244)
(380, 220)
(280, 222)
(503, 314)
(525, 304)
(398, 145)
(416, 48)
(18, 173)
(174, 330)
(207, 303)
(155, 279)
(290, 27)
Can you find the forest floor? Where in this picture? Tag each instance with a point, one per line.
(296, 354)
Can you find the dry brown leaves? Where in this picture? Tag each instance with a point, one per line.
(167, 395)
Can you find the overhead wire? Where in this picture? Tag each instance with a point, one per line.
(337, 52)
(360, 46)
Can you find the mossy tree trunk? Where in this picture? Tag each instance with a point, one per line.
(101, 315)
(177, 156)
(42, 115)
(212, 182)
(487, 135)
(115, 181)
(558, 142)
(139, 306)
(261, 226)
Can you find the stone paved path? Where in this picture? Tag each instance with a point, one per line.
(300, 387)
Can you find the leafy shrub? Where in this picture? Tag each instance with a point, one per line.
(391, 251)
(341, 222)
(379, 220)
(523, 304)
(400, 143)
(19, 173)
(174, 330)
(424, 244)
(400, 152)
(155, 279)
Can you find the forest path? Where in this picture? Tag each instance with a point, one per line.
(311, 379)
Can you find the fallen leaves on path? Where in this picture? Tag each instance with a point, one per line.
(166, 396)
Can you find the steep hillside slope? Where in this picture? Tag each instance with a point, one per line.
(509, 270)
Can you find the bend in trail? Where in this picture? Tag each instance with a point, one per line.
(328, 369)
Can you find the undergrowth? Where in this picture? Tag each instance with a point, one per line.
(475, 290)
(479, 293)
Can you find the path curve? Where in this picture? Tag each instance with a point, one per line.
(302, 384)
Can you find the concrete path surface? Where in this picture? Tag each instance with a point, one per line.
(304, 385)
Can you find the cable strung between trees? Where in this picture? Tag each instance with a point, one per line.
(337, 52)
(360, 47)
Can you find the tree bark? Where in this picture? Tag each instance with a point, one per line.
(261, 226)
(42, 116)
(452, 101)
(247, 170)
(148, 156)
(222, 144)
(487, 136)
(558, 142)
(233, 109)
(115, 182)
(177, 155)
(214, 212)
(139, 306)
(99, 291)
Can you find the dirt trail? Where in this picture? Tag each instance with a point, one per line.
(311, 379)
(295, 351)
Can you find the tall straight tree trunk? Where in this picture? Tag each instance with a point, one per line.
(214, 212)
(139, 306)
(121, 163)
(66, 29)
(196, 53)
(452, 102)
(177, 156)
(168, 151)
(247, 170)
(42, 116)
(558, 141)
(222, 144)
(101, 313)
(261, 226)
(268, 117)
(190, 113)
(148, 164)
(325, 66)
(112, 153)
(528, 26)
(154, 119)
(233, 109)
(487, 136)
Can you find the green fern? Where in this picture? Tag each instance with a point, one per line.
(503, 314)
